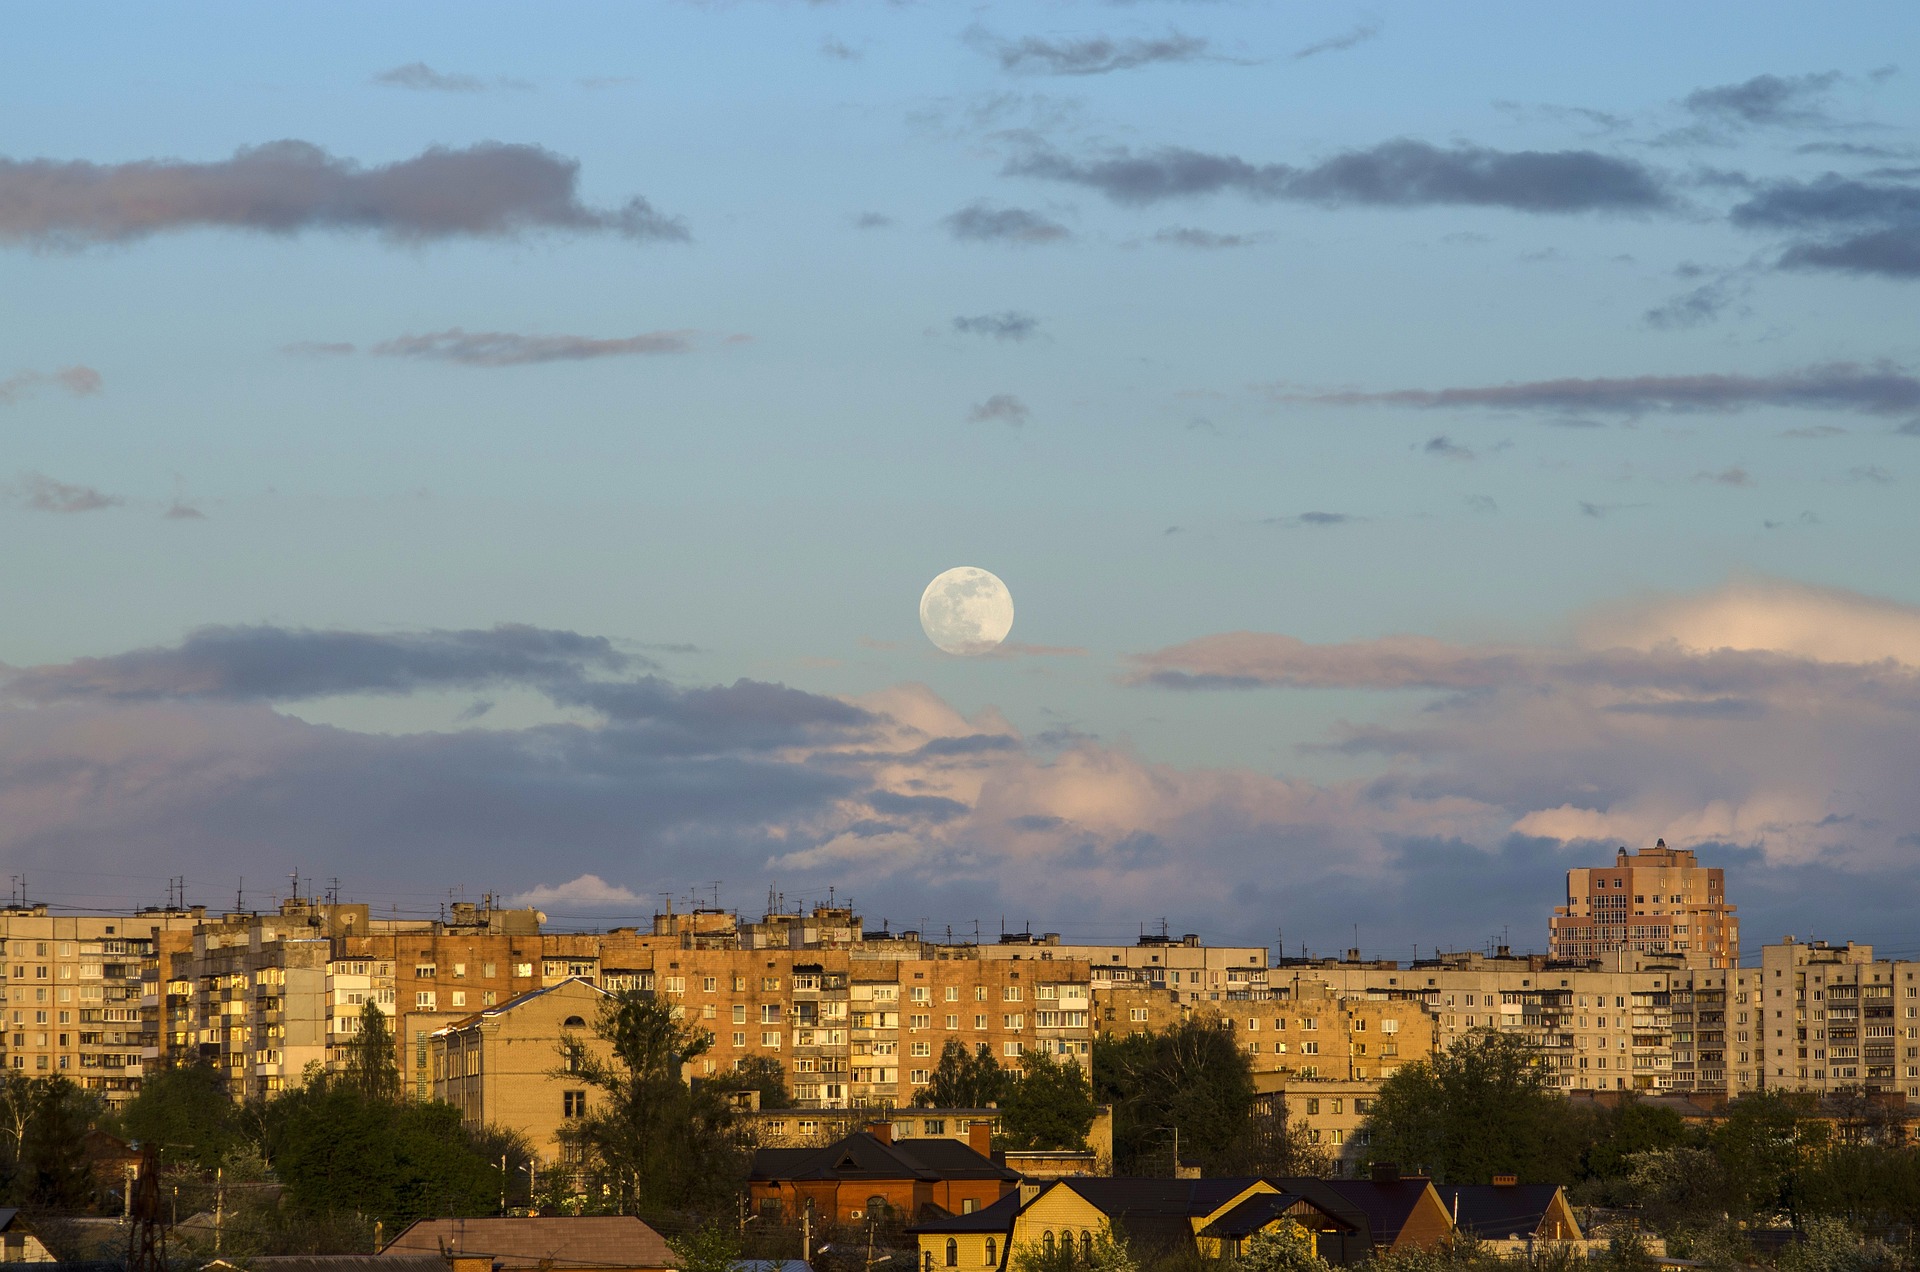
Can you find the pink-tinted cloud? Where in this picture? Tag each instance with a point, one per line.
(80, 381)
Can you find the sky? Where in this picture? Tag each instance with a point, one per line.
(499, 449)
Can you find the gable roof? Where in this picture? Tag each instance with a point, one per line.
(7, 1215)
(1496, 1211)
(997, 1217)
(518, 1000)
(1261, 1209)
(863, 1156)
(344, 1263)
(1387, 1204)
(561, 1241)
(1156, 1212)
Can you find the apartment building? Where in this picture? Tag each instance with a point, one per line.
(1826, 1018)
(505, 1065)
(1332, 1111)
(1661, 901)
(80, 996)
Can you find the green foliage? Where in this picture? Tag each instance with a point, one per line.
(1633, 1127)
(1763, 1145)
(1626, 1253)
(1193, 1077)
(1048, 1107)
(1678, 1188)
(370, 1066)
(1482, 1107)
(1831, 1245)
(709, 1248)
(43, 1162)
(649, 1140)
(186, 1113)
(1282, 1247)
(339, 1150)
(759, 1073)
(964, 1079)
(1109, 1253)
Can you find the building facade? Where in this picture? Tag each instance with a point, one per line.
(510, 1065)
(1661, 901)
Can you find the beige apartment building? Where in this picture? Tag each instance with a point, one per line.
(1661, 901)
(507, 1065)
(1826, 1018)
(80, 993)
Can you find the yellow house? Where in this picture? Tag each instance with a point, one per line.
(1212, 1217)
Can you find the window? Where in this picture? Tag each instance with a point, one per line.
(768, 984)
(424, 998)
(739, 1013)
(1010, 1048)
(423, 971)
(953, 1022)
(770, 1038)
(953, 993)
(979, 993)
(877, 1207)
(459, 971)
(487, 970)
(953, 1253)
(1309, 1048)
(1138, 1015)
(739, 1037)
(993, 1256)
(1011, 994)
(459, 998)
(523, 969)
(573, 1104)
(917, 994)
(710, 983)
(979, 1022)
(1046, 1242)
(1313, 1108)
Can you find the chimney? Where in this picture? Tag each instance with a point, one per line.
(1386, 1172)
(1506, 1181)
(980, 1137)
(882, 1131)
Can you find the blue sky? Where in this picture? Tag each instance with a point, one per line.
(1113, 300)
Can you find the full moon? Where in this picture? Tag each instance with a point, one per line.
(966, 610)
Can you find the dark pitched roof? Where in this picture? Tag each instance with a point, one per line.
(995, 1218)
(7, 1215)
(1386, 1203)
(562, 1241)
(862, 1156)
(1258, 1211)
(1496, 1211)
(1156, 1212)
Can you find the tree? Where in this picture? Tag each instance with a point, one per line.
(709, 1248)
(1049, 1107)
(1619, 1134)
(759, 1073)
(1192, 1081)
(652, 1140)
(964, 1079)
(1283, 1247)
(186, 1113)
(1481, 1108)
(43, 1125)
(1763, 1144)
(1108, 1252)
(370, 1065)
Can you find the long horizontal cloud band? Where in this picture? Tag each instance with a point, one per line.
(1392, 174)
(490, 190)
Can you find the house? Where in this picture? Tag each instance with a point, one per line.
(1509, 1211)
(1209, 1217)
(505, 1065)
(17, 1245)
(1403, 1211)
(604, 1243)
(869, 1173)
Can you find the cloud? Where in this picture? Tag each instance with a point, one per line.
(872, 221)
(1310, 520)
(1392, 174)
(1735, 476)
(1338, 43)
(1091, 55)
(1001, 406)
(1868, 389)
(181, 510)
(423, 78)
(1444, 447)
(1010, 324)
(1769, 725)
(1187, 236)
(1873, 227)
(1890, 253)
(43, 494)
(511, 349)
(586, 892)
(1600, 511)
(489, 190)
(1871, 473)
(982, 223)
(278, 664)
(1772, 101)
(832, 48)
(1697, 306)
(77, 380)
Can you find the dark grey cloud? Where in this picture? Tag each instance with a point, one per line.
(41, 493)
(1392, 174)
(420, 77)
(932, 807)
(1004, 407)
(983, 223)
(1853, 150)
(275, 664)
(1337, 43)
(489, 190)
(181, 510)
(830, 47)
(512, 349)
(1009, 324)
(872, 221)
(1766, 100)
(1208, 240)
(1310, 520)
(78, 380)
(1871, 389)
(1872, 473)
(1088, 55)
(1828, 201)
(1695, 306)
(1444, 447)
(1889, 253)
(747, 716)
(1734, 476)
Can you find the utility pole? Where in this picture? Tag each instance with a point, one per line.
(146, 1235)
(806, 1234)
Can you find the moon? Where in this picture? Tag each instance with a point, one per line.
(966, 610)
